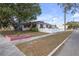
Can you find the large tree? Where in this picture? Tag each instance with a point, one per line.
(22, 11)
(68, 7)
(5, 14)
(27, 11)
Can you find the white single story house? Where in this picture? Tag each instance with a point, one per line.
(45, 27)
(40, 25)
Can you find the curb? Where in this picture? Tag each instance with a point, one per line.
(54, 50)
(20, 51)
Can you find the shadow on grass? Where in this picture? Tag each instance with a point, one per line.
(13, 32)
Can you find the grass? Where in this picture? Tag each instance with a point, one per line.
(22, 32)
(43, 46)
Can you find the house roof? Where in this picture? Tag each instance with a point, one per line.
(37, 22)
(41, 22)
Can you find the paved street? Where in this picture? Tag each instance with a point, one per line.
(8, 49)
(71, 47)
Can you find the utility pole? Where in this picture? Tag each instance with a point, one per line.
(73, 19)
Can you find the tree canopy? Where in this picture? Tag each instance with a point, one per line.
(69, 7)
(72, 25)
(22, 11)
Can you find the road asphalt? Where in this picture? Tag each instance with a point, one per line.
(71, 46)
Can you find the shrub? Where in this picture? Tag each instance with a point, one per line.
(34, 30)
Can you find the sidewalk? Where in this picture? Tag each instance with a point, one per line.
(8, 49)
(71, 47)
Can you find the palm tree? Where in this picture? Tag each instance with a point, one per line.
(68, 7)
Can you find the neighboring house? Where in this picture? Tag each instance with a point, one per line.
(61, 27)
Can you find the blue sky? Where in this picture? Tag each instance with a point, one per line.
(53, 14)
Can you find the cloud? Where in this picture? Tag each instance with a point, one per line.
(55, 18)
(76, 15)
(44, 17)
(49, 19)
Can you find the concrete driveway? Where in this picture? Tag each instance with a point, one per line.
(8, 49)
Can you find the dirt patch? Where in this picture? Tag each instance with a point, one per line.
(43, 46)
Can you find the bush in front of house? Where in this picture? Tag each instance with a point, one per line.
(34, 30)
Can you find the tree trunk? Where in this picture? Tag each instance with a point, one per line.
(30, 26)
(64, 19)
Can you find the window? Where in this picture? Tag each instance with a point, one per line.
(47, 26)
(50, 26)
(41, 25)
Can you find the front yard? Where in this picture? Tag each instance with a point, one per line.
(43, 46)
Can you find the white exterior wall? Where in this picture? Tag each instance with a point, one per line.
(61, 27)
(47, 30)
